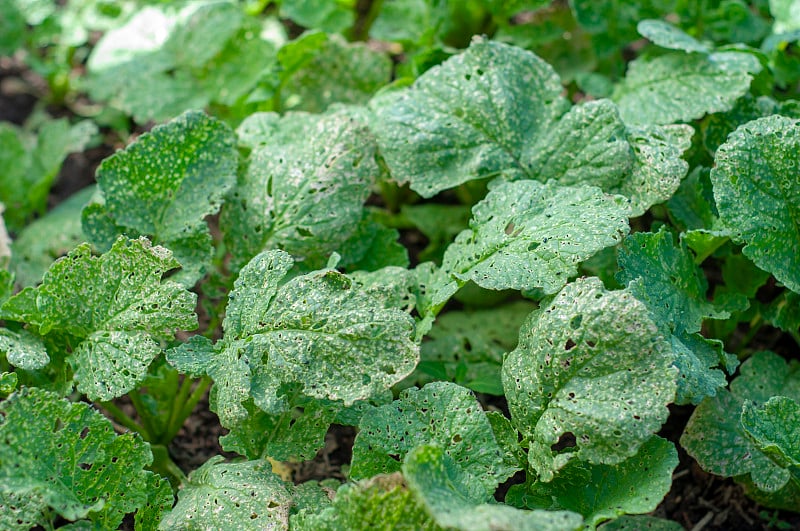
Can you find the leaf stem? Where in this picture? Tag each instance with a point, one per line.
(123, 418)
(151, 432)
(174, 413)
(187, 407)
(362, 25)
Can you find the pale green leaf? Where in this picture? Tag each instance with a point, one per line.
(304, 188)
(657, 166)
(697, 359)
(237, 496)
(678, 87)
(468, 118)
(668, 36)
(23, 349)
(117, 307)
(323, 331)
(526, 235)
(665, 277)
(714, 435)
(757, 193)
(164, 185)
(66, 456)
(48, 238)
(382, 502)
(634, 486)
(786, 14)
(441, 413)
(162, 60)
(320, 14)
(593, 364)
(319, 70)
(588, 145)
(444, 489)
(774, 428)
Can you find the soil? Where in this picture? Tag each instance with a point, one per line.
(697, 500)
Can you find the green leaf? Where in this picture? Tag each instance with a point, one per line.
(715, 436)
(525, 235)
(440, 413)
(294, 435)
(8, 382)
(774, 429)
(439, 223)
(161, 62)
(784, 312)
(159, 502)
(164, 185)
(12, 27)
(668, 36)
(66, 456)
(445, 490)
(48, 238)
(116, 305)
(468, 118)
(592, 364)
(382, 502)
(697, 359)
(23, 349)
(657, 166)
(371, 247)
(666, 279)
(304, 189)
(639, 523)
(587, 145)
(691, 207)
(634, 486)
(679, 87)
(30, 163)
(219, 495)
(786, 14)
(320, 14)
(322, 331)
(718, 126)
(468, 347)
(320, 70)
(758, 195)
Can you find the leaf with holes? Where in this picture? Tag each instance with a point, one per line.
(163, 186)
(591, 369)
(440, 413)
(382, 502)
(454, 503)
(219, 495)
(324, 331)
(304, 187)
(758, 193)
(60, 458)
(717, 439)
(634, 486)
(527, 235)
(775, 430)
(681, 87)
(116, 306)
